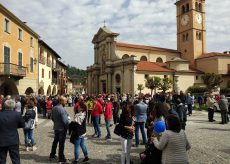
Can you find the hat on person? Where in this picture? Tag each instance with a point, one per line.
(159, 127)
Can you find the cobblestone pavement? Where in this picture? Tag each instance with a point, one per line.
(210, 143)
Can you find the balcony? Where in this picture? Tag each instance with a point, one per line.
(9, 69)
(42, 60)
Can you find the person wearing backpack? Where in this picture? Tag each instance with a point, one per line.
(181, 112)
(29, 118)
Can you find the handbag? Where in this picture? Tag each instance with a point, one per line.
(118, 129)
(29, 124)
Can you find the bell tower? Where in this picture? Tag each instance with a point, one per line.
(191, 32)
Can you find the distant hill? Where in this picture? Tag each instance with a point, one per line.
(76, 75)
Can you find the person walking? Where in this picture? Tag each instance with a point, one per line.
(108, 114)
(190, 102)
(140, 110)
(96, 112)
(223, 104)
(116, 108)
(77, 129)
(173, 143)
(49, 106)
(181, 113)
(90, 108)
(10, 121)
(29, 118)
(61, 122)
(126, 121)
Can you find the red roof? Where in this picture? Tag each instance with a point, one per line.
(146, 47)
(213, 54)
(152, 66)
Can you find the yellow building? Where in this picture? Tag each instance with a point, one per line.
(48, 70)
(119, 67)
(18, 55)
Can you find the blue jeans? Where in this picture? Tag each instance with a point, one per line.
(140, 125)
(80, 142)
(189, 108)
(96, 125)
(29, 134)
(107, 125)
(59, 137)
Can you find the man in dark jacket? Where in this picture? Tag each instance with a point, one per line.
(10, 121)
(61, 122)
(223, 104)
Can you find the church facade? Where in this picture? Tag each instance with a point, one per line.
(120, 67)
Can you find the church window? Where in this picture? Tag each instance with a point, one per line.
(143, 58)
(125, 56)
(200, 7)
(159, 60)
(187, 7)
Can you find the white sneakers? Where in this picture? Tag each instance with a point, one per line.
(33, 148)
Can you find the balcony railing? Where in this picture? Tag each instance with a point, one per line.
(7, 69)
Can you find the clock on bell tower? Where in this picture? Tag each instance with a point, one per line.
(191, 32)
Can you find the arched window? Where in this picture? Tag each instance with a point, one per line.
(186, 38)
(196, 6)
(187, 7)
(143, 58)
(200, 7)
(159, 60)
(118, 78)
(125, 56)
(183, 9)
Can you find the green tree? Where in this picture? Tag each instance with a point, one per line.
(140, 87)
(165, 84)
(212, 80)
(152, 83)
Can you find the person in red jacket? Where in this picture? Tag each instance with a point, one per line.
(108, 117)
(96, 112)
(49, 106)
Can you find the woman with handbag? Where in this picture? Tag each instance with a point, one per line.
(127, 131)
(29, 118)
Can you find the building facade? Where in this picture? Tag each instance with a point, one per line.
(120, 67)
(18, 55)
(48, 71)
(61, 78)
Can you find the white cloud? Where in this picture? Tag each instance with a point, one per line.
(68, 26)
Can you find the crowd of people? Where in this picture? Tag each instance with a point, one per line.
(161, 120)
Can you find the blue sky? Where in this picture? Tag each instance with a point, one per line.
(68, 26)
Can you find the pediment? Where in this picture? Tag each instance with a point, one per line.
(102, 34)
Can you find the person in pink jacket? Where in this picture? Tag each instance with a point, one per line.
(96, 112)
(108, 117)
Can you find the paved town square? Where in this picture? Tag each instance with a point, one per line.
(210, 143)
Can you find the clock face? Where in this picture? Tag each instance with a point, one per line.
(199, 18)
(184, 20)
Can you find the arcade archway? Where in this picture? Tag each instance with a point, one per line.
(48, 91)
(29, 90)
(54, 91)
(41, 91)
(8, 88)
